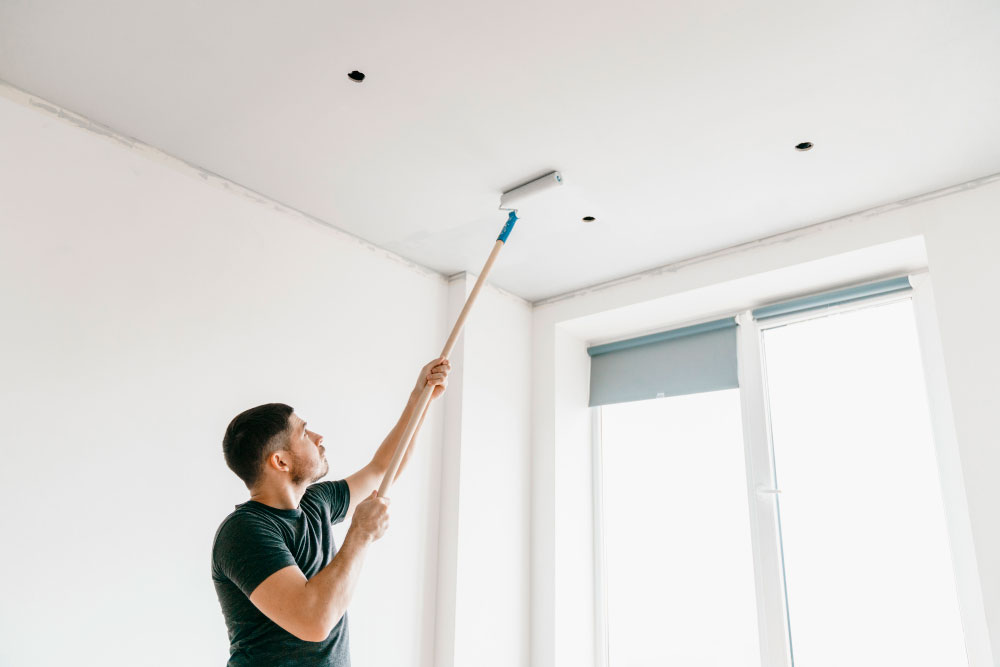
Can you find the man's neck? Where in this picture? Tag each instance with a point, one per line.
(284, 497)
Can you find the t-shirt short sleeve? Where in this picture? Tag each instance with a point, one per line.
(249, 549)
(335, 495)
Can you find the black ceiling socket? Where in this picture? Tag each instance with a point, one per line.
(804, 146)
(356, 76)
(589, 218)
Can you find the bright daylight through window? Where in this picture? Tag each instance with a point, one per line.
(868, 575)
(679, 567)
(867, 568)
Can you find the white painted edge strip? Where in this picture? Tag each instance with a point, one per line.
(489, 286)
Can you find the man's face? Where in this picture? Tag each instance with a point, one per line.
(308, 453)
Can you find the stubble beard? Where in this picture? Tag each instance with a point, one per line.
(314, 475)
(324, 468)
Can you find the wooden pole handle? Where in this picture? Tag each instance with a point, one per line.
(425, 395)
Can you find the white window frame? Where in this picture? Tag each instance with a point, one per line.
(762, 492)
(601, 653)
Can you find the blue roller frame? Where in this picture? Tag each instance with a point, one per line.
(507, 228)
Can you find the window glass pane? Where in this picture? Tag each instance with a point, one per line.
(679, 562)
(868, 573)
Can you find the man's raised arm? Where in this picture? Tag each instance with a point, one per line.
(366, 480)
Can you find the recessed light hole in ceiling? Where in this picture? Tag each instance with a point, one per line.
(804, 146)
(589, 218)
(356, 76)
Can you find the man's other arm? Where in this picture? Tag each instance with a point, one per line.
(310, 608)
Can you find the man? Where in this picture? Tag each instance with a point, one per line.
(283, 585)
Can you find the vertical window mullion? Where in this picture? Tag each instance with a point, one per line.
(772, 612)
(600, 571)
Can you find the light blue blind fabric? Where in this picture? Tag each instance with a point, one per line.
(690, 360)
(834, 298)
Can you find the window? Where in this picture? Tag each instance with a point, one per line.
(796, 520)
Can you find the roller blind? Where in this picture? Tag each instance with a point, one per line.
(833, 298)
(689, 360)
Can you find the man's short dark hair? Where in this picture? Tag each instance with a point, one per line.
(252, 436)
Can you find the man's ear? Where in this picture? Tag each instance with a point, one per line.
(278, 460)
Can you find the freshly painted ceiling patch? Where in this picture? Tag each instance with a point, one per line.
(804, 146)
(356, 76)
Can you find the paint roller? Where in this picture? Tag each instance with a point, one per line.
(509, 200)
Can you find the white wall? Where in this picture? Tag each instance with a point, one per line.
(960, 231)
(483, 604)
(142, 306)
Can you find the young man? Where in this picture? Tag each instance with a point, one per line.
(283, 585)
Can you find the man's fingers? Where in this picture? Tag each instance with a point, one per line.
(436, 372)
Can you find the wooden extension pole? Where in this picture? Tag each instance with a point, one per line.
(428, 390)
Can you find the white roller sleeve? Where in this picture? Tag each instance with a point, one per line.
(516, 196)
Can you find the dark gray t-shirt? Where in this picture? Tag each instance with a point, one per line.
(254, 542)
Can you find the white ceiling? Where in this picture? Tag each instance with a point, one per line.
(673, 122)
